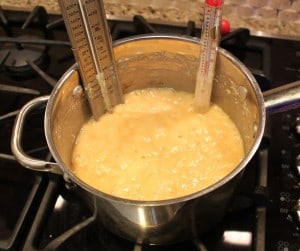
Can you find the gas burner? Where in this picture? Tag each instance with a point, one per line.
(41, 213)
(18, 57)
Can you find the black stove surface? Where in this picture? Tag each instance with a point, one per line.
(38, 211)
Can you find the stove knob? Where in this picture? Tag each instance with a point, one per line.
(225, 27)
(295, 128)
(297, 125)
(297, 166)
(295, 213)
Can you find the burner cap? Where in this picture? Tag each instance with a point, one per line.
(18, 56)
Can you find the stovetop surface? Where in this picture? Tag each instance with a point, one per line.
(38, 212)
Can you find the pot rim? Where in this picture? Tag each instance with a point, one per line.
(260, 128)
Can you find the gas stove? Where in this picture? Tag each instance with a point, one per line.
(39, 211)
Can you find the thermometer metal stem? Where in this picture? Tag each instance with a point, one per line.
(88, 31)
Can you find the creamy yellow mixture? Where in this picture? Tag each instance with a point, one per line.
(156, 147)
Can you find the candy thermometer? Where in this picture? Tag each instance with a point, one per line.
(88, 31)
(210, 37)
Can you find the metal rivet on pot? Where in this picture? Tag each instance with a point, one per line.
(77, 91)
(243, 92)
(66, 177)
(69, 184)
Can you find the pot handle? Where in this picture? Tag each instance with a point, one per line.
(16, 147)
(280, 97)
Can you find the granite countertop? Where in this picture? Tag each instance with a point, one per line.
(279, 18)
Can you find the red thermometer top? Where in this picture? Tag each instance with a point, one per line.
(215, 3)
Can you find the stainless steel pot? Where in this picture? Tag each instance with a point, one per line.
(148, 61)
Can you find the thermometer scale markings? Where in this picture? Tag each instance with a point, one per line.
(210, 39)
(87, 28)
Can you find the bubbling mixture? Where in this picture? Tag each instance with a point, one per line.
(155, 146)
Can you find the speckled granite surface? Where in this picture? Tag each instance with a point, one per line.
(269, 17)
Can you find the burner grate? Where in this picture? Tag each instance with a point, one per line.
(42, 214)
